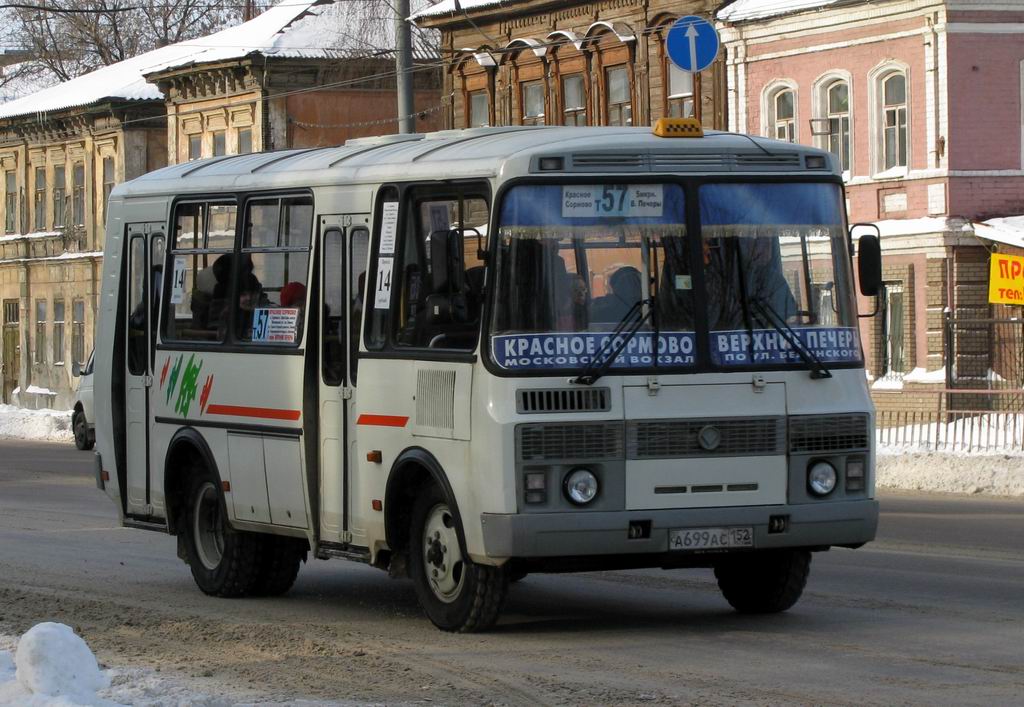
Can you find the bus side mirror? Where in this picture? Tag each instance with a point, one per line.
(76, 369)
(869, 265)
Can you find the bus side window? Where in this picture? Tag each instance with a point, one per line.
(441, 291)
(359, 245)
(333, 307)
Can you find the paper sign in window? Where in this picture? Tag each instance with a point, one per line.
(178, 279)
(275, 325)
(382, 295)
(388, 227)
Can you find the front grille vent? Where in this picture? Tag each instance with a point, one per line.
(597, 440)
(663, 439)
(773, 161)
(534, 400)
(827, 433)
(608, 160)
(683, 161)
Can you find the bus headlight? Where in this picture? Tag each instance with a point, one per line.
(581, 486)
(821, 478)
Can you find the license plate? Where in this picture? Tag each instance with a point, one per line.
(710, 538)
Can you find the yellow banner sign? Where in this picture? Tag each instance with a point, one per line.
(1006, 279)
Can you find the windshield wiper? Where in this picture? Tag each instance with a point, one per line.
(613, 346)
(768, 314)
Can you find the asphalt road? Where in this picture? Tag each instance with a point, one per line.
(931, 613)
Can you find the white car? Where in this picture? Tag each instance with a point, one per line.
(83, 420)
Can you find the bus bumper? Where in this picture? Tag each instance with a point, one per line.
(528, 535)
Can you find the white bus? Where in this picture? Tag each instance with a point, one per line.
(471, 355)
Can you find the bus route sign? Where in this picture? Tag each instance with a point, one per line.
(1006, 279)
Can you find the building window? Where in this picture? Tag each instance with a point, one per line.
(618, 102)
(479, 110)
(574, 100)
(58, 331)
(40, 199)
(195, 147)
(59, 196)
(681, 103)
(220, 146)
(894, 121)
(533, 103)
(784, 118)
(40, 331)
(78, 195)
(244, 141)
(78, 332)
(108, 178)
(893, 363)
(10, 202)
(837, 103)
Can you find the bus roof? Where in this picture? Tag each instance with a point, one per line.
(481, 152)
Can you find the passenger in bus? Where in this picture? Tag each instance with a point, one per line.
(293, 295)
(626, 290)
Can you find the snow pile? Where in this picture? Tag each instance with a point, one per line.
(998, 474)
(52, 667)
(46, 425)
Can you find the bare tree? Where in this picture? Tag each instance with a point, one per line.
(104, 32)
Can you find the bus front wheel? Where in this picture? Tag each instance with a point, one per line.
(224, 562)
(765, 582)
(456, 593)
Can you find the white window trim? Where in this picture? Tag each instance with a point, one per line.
(819, 109)
(768, 94)
(875, 122)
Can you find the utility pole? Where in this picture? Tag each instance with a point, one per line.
(403, 67)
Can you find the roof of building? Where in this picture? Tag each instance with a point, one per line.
(320, 29)
(448, 7)
(1008, 230)
(477, 152)
(741, 10)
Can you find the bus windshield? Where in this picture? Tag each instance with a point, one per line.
(768, 274)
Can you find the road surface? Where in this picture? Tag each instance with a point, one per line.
(931, 613)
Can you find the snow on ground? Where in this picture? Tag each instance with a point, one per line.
(44, 425)
(50, 666)
(998, 474)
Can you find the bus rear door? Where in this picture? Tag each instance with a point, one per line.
(145, 270)
(344, 242)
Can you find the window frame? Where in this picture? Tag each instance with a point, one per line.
(230, 343)
(670, 99)
(877, 78)
(469, 107)
(387, 347)
(60, 195)
(575, 111)
(78, 332)
(769, 102)
(900, 128)
(39, 200)
(10, 201)
(78, 194)
(539, 118)
(39, 349)
(607, 104)
(58, 326)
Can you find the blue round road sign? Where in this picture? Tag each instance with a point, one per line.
(692, 43)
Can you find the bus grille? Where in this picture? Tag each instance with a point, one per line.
(659, 439)
(827, 433)
(533, 400)
(592, 440)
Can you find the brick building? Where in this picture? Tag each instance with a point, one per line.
(294, 76)
(920, 100)
(534, 62)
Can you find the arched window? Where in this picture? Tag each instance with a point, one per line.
(784, 115)
(837, 110)
(894, 120)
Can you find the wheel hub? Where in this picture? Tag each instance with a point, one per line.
(208, 527)
(442, 558)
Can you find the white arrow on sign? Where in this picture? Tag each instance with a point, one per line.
(691, 34)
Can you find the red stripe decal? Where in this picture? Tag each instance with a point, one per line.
(261, 413)
(382, 420)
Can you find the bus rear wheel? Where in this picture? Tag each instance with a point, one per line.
(224, 562)
(764, 582)
(280, 559)
(457, 594)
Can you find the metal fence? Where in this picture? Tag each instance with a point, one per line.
(991, 424)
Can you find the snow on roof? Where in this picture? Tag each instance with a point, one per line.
(290, 29)
(1008, 230)
(447, 7)
(758, 9)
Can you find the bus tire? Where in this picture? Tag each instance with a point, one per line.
(764, 582)
(279, 562)
(80, 427)
(456, 594)
(224, 561)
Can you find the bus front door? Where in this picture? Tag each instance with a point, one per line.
(344, 243)
(145, 249)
